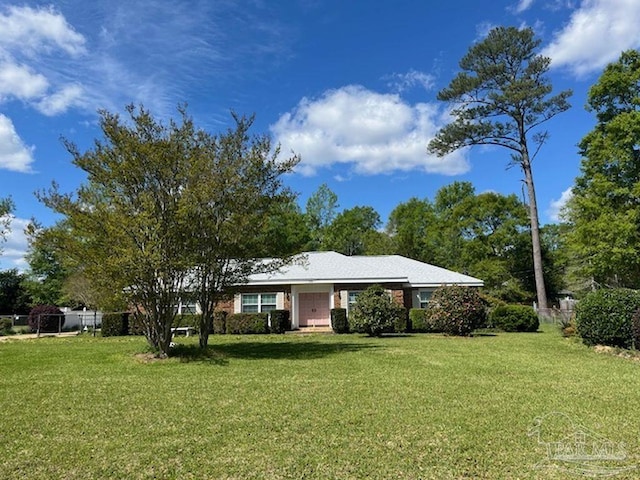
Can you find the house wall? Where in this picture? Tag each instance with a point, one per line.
(234, 305)
(399, 295)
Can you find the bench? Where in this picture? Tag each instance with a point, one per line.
(186, 330)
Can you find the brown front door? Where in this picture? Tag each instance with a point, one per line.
(314, 309)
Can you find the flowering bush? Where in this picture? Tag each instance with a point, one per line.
(456, 310)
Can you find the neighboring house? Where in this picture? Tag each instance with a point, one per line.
(326, 280)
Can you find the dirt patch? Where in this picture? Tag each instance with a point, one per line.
(148, 357)
(617, 352)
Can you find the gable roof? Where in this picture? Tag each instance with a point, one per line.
(332, 267)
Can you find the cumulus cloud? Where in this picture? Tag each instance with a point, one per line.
(16, 245)
(370, 132)
(14, 154)
(557, 206)
(21, 82)
(597, 32)
(34, 30)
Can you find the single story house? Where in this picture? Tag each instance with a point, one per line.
(320, 281)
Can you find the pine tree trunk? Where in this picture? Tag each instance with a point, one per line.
(538, 271)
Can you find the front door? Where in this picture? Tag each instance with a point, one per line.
(314, 309)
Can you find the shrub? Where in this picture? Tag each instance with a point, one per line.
(6, 326)
(188, 320)
(136, 326)
(49, 317)
(115, 324)
(339, 322)
(247, 323)
(280, 321)
(418, 320)
(605, 317)
(515, 318)
(635, 329)
(220, 322)
(374, 313)
(400, 324)
(456, 310)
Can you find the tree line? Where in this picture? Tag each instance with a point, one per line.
(172, 208)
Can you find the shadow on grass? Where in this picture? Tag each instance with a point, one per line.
(219, 354)
(192, 353)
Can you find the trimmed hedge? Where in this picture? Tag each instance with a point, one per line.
(401, 322)
(6, 326)
(515, 318)
(420, 322)
(605, 317)
(115, 324)
(50, 318)
(220, 322)
(280, 321)
(188, 320)
(239, 323)
(339, 322)
(456, 310)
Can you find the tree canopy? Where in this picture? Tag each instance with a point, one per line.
(500, 98)
(168, 211)
(604, 213)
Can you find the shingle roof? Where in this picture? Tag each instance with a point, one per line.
(332, 267)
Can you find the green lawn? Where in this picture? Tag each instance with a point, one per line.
(314, 407)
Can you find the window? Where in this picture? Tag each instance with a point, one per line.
(353, 297)
(258, 302)
(425, 296)
(186, 307)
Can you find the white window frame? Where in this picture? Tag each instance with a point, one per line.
(424, 302)
(261, 304)
(350, 303)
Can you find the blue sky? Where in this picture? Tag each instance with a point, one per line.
(350, 86)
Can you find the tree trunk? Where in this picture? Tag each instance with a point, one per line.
(204, 323)
(538, 271)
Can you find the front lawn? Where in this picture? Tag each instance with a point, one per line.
(315, 407)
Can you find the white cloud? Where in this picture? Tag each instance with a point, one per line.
(598, 31)
(399, 82)
(21, 82)
(483, 29)
(522, 6)
(38, 30)
(35, 46)
(16, 246)
(557, 206)
(14, 154)
(61, 101)
(370, 132)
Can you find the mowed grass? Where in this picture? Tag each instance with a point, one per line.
(313, 407)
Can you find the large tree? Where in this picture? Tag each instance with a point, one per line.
(604, 213)
(413, 230)
(161, 215)
(501, 97)
(14, 298)
(233, 194)
(46, 254)
(321, 210)
(352, 230)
